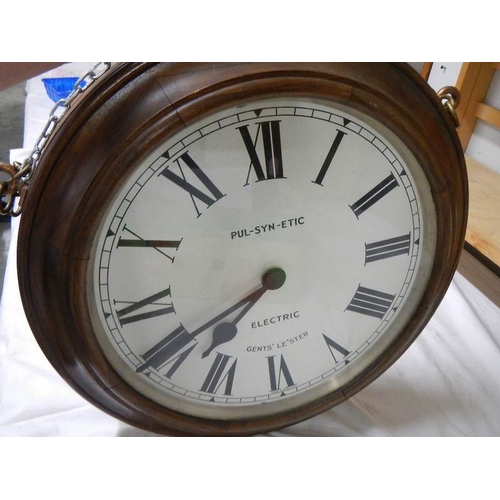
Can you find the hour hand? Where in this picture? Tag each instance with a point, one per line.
(272, 279)
(223, 332)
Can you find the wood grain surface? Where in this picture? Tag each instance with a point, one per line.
(135, 107)
(483, 229)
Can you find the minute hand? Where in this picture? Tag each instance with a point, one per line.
(252, 298)
(224, 332)
(177, 340)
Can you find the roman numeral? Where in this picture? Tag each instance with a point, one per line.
(173, 348)
(333, 347)
(278, 375)
(208, 196)
(138, 242)
(374, 195)
(370, 302)
(329, 157)
(386, 249)
(218, 374)
(176, 361)
(273, 156)
(157, 308)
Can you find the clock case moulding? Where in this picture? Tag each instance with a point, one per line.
(130, 110)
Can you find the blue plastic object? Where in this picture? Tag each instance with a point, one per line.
(59, 88)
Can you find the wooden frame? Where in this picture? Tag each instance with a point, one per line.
(119, 120)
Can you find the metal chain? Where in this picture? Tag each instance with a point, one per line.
(20, 173)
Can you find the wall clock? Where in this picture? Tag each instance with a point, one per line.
(226, 249)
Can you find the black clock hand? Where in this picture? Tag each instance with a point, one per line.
(224, 313)
(224, 332)
(180, 337)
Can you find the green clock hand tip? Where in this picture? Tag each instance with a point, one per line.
(273, 278)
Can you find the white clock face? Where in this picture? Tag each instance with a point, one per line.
(325, 207)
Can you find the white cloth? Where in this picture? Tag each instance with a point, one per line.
(446, 384)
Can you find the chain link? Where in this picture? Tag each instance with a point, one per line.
(20, 173)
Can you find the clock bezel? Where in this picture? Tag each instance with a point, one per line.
(56, 248)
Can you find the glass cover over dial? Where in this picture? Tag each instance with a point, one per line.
(261, 258)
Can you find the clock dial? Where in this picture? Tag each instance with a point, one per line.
(262, 258)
